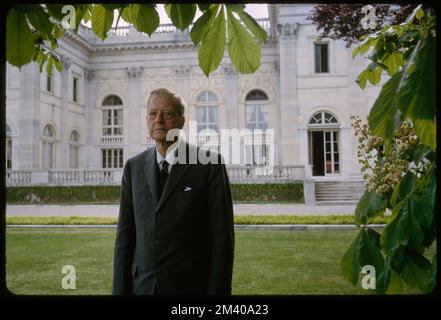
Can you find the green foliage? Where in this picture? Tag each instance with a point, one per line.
(209, 31)
(289, 192)
(243, 50)
(102, 20)
(144, 17)
(246, 219)
(407, 52)
(212, 47)
(370, 205)
(18, 37)
(268, 192)
(45, 195)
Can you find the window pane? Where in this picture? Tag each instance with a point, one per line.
(75, 89)
(211, 96)
(201, 115)
(212, 114)
(324, 58)
(317, 57)
(48, 83)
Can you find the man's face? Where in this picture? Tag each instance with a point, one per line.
(161, 117)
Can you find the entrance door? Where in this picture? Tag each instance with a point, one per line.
(323, 152)
(317, 155)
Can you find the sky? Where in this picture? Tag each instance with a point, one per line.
(256, 10)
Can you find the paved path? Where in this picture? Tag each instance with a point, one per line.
(112, 210)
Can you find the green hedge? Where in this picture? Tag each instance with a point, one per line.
(249, 219)
(268, 192)
(46, 195)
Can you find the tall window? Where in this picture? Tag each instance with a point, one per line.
(257, 119)
(48, 147)
(8, 147)
(207, 113)
(112, 116)
(321, 55)
(324, 144)
(74, 148)
(112, 158)
(50, 82)
(75, 89)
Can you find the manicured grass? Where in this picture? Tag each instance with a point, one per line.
(266, 262)
(270, 219)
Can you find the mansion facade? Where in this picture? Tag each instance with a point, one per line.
(82, 124)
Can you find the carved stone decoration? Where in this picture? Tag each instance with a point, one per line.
(229, 69)
(89, 74)
(135, 72)
(65, 62)
(182, 71)
(288, 29)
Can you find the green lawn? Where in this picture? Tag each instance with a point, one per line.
(266, 262)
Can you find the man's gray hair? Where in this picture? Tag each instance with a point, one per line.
(178, 103)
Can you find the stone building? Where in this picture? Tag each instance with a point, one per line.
(81, 125)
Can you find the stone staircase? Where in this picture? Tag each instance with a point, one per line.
(338, 192)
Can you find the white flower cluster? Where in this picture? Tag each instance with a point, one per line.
(382, 171)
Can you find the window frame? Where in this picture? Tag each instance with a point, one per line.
(328, 60)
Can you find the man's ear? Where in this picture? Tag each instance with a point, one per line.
(181, 122)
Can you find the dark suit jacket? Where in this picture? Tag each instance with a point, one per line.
(182, 242)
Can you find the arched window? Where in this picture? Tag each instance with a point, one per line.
(257, 110)
(207, 113)
(112, 116)
(48, 147)
(256, 104)
(323, 118)
(74, 147)
(112, 100)
(8, 147)
(324, 144)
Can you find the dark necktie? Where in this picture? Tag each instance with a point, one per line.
(164, 174)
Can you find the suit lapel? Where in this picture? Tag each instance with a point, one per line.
(151, 173)
(177, 172)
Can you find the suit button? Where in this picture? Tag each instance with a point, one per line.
(156, 243)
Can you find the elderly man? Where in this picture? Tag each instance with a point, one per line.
(175, 232)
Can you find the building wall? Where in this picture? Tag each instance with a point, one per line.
(132, 66)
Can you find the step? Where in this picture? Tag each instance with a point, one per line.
(335, 203)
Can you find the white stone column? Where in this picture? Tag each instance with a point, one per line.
(231, 83)
(62, 149)
(182, 74)
(275, 74)
(288, 93)
(89, 151)
(132, 125)
(29, 125)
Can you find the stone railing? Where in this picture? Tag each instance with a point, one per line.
(166, 28)
(18, 177)
(71, 177)
(243, 174)
(67, 177)
(112, 140)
